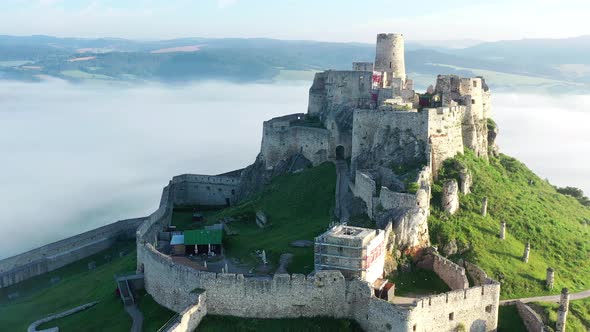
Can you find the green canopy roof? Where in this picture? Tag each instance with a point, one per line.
(203, 236)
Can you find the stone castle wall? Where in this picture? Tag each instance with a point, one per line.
(325, 294)
(530, 318)
(475, 308)
(281, 139)
(445, 134)
(212, 190)
(474, 95)
(452, 274)
(191, 317)
(55, 255)
(334, 88)
(178, 286)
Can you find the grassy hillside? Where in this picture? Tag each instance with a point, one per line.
(77, 286)
(578, 318)
(298, 207)
(555, 224)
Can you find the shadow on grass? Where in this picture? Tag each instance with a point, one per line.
(505, 254)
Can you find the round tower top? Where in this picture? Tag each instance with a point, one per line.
(390, 35)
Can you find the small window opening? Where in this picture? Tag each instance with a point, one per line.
(472, 101)
(452, 316)
(475, 84)
(489, 308)
(414, 328)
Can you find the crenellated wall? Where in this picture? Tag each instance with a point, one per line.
(327, 293)
(57, 254)
(475, 308)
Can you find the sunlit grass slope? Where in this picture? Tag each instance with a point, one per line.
(556, 226)
(298, 207)
(78, 286)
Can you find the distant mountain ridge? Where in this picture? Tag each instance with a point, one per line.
(556, 64)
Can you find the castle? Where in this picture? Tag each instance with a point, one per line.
(388, 142)
(395, 141)
(372, 116)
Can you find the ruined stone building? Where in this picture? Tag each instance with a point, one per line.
(396, 139)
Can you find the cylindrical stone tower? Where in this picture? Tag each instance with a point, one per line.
(550, 278)
(389, 55)
(562, 311)
(527, 252)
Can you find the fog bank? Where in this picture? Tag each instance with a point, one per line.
(548, 133)
(78, 157)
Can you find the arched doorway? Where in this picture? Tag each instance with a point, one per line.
(339, 152)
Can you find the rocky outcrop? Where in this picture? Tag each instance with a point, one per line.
(256, 176)
(410, 226)
(450, 197)
(493, 132)
(450, 248)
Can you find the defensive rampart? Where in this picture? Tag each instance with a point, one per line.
(327, 293)
(55, 255)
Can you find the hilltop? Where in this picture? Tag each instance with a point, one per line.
(556, 225)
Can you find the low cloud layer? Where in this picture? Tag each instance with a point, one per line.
(78, 157)
(548, 133)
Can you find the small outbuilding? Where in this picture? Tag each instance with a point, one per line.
(203, 241)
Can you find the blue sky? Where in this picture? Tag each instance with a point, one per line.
(331, 20)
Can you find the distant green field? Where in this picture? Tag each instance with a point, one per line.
(514, 80)
(298, 207)
(234, 324)
(77, 286)
(578, 318)
(78, 74)
(14, 63)
(534, 211)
